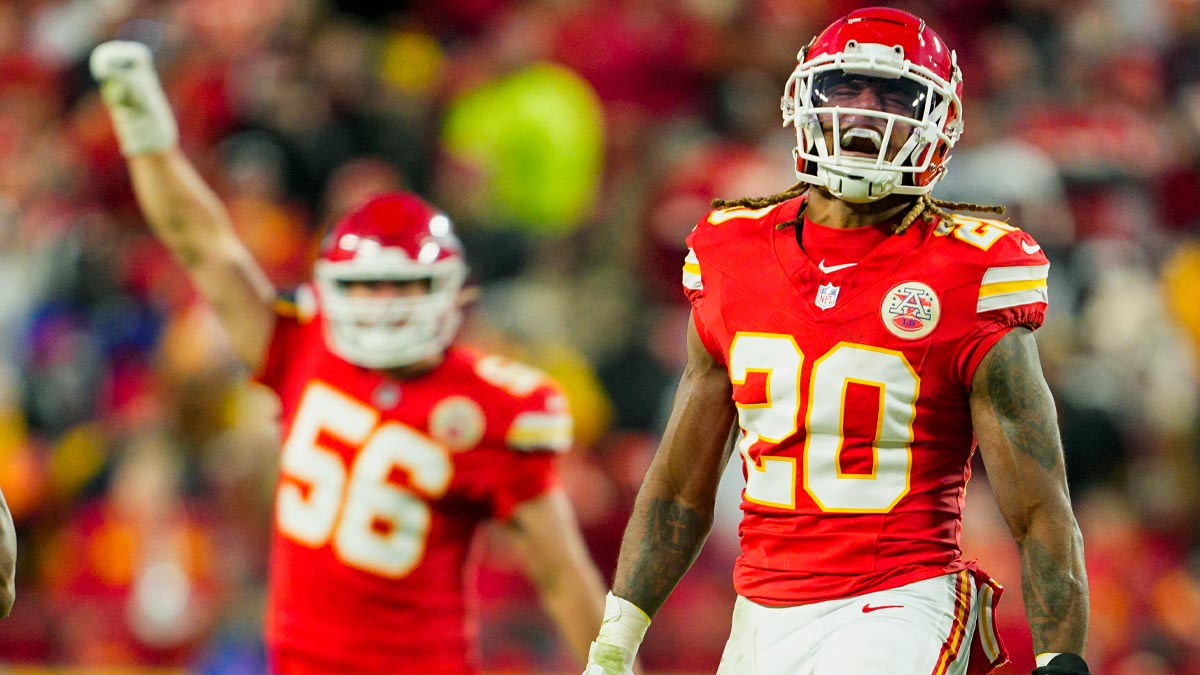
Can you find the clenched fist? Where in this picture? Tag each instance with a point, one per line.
(134, 97)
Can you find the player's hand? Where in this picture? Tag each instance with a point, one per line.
(606, 659)
(134, 97)
(1064, 664)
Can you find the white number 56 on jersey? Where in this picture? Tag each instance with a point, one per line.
(372, 523)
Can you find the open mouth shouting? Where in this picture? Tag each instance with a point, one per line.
(861, 141)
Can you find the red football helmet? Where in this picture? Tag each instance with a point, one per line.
(916, 95)
(394, 237)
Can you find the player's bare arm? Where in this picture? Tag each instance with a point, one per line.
(182, 210)
(544, 532)
(673, 512)
(8, 559)
(1016, 425)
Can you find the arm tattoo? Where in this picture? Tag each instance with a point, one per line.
(1014, 390)
(673, 537)
(1047, 588)
(1054, 586)
(1053, 577)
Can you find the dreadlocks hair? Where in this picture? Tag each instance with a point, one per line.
(924, 207)
(927, 207)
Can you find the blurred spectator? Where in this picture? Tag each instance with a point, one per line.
(578, 142)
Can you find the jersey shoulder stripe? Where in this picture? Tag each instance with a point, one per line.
(541, 430)
(691, 272)
(1004, 287)
(735, 212)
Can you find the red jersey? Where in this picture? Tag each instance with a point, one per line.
(852, 379)
(382, 485)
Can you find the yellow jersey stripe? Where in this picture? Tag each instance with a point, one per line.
(1014, 299)
(999, 288)
(541, 431)
(691, 272)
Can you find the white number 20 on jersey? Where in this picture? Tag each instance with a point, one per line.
(372, 523)
(773, 480)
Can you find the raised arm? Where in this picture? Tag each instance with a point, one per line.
(544, 533)
(1016, 425)
(673, 512)
(8, 559)
(183, 211)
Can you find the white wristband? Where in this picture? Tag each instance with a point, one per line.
(134, 96)
(621, 634)
(1044, 658)
(624, 624)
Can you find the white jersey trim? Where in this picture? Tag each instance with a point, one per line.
(1013, 299)
(1004, 287)
(691, 272)
(1020, 273)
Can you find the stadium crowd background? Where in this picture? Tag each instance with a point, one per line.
(574, 143)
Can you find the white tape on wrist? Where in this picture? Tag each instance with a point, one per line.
(1044, 658)
(624, 624)
(134, 96)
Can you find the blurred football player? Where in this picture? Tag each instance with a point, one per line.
(398, 443)
(861, 335)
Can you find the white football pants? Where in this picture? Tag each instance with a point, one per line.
(923, 628)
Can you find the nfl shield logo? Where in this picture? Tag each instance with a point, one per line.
(827, 295)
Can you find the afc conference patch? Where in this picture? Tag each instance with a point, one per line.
(826, 296)
(457, 422)
(910, 310)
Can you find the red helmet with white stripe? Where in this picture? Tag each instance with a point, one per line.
(398, 238)
(876, 101)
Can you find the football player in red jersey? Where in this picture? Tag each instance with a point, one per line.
(862, 336)
(398, 444)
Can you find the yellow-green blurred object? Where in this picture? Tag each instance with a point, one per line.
(77, 458)
(411, 61)
(536, 136)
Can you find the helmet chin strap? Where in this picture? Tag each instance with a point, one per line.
(859, 186)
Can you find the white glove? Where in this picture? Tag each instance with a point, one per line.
(621, 634)
(134, 96)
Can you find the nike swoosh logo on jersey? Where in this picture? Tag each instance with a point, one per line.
(833, 268)
(1031, 249)
(867, 608)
